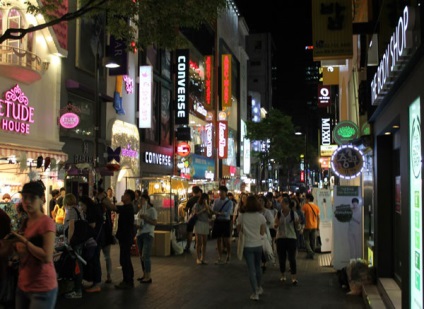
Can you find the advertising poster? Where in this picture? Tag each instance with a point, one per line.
(416, 212)
(347, 225)
(322, 197)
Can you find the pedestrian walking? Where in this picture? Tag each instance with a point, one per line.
(311, 212)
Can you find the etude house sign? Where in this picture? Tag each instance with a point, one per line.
(15, 113)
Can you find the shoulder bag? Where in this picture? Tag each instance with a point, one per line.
(240, 241)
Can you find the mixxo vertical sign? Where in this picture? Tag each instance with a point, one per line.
(182, 84)
(226, 80)
(209, 82)
(325, 131)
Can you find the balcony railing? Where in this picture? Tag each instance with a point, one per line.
(20, 64)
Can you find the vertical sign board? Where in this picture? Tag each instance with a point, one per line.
(209, 140)
(324, 99)
(209, 82)
(416, 226)
(222, 141)
(226, 80)
(182, 84)
(145, 97)
(347, 225)
(323, 200)
(325, 131)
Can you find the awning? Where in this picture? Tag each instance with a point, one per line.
(32, 153)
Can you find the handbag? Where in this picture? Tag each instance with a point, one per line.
(240, 243)
(267, 249)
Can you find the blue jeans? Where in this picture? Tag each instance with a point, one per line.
(145, 243)
(36, 300)
(253, 257)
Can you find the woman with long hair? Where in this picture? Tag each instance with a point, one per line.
(37, 283)
(201, 228)
(252, 224)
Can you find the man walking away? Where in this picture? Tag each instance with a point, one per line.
(311, 212)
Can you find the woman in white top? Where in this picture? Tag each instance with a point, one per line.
(286, 223)
(201, 228)
(253, 225)
(146, 221)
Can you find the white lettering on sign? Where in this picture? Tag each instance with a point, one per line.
(394, 58)
(181, 115)
(222, 140)
(157, 158)
(209, 137)
(325, 131)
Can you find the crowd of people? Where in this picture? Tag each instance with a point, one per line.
(28, 250)
(287, 222)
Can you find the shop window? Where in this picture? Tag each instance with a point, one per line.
(14, 20)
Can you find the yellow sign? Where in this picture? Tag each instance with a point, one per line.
(327, 150)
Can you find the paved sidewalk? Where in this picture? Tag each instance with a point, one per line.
(179, 282)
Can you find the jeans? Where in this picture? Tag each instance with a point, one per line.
(145, 243)
(108, 261)
(36, 300)
(310, 236)
(287, 247)
(125, 261)
(253, 256)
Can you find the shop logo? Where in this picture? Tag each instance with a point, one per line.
(69, 120)
(183, 149)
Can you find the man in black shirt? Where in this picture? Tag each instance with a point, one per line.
(197, 192)
(52, 203)
(125, 236)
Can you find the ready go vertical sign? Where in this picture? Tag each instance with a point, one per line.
(145, 97)
(181, 114)
(222, 139)
(226, 80)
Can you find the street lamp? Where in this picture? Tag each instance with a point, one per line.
(305, 156)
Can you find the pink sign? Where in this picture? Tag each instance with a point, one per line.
(69, 120)
(15, 113)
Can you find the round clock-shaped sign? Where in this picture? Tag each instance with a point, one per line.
(347, 162)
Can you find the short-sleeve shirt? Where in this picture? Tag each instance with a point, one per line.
(34, 275)
(286, 227)
(71, 214)
(251, 224)
(125, 231)
(203, 216)
(311, 212)
(147, 227)
(227, 210)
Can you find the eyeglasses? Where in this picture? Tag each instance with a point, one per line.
(29, 197)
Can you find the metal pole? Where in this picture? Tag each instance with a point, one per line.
(96, 111)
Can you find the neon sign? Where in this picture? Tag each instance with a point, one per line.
(209, 135)
(208, 82)
(226, 80)
(222, 139)
(16, 115)
(129, 84)
(347, 162)
(69, 120)
(128, 152)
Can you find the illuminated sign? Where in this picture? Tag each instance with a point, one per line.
(415, 206)
(209, 82)
(209, 140)
(325, 131)
(15, 113)
(323, 96)
(347, 162)
(199, 108)
(222, 139)
(395, 56)
(226, 80)
(327, 150)
(345, 131)
(145, 97)
(183, 149)
(129, 84)
(182, 84)
(128, 152)
(69, 120)
(157, 158)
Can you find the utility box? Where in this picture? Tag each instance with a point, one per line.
(162, 243)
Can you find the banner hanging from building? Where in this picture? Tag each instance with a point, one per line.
(332, 29)
(209, 73)
(226, 80)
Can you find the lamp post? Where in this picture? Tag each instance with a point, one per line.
(305, 155)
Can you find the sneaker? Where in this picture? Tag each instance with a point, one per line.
(73, 295)
(260, 291)
(254, 296)
(93, 289)
(283, 279)
(124, 285)
(87, 284)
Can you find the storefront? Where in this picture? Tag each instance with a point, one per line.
(397, 230)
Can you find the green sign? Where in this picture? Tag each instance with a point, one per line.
(345, 131)
(347, 190)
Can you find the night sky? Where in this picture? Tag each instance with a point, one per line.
(290, 27)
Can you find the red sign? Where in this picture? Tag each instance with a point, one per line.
(222, 137)
(226, 80)
(183, 149)
(209, 82)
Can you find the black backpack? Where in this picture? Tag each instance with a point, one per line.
(82, 231)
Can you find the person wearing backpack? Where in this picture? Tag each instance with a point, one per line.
(58, 215)
(72, 215)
